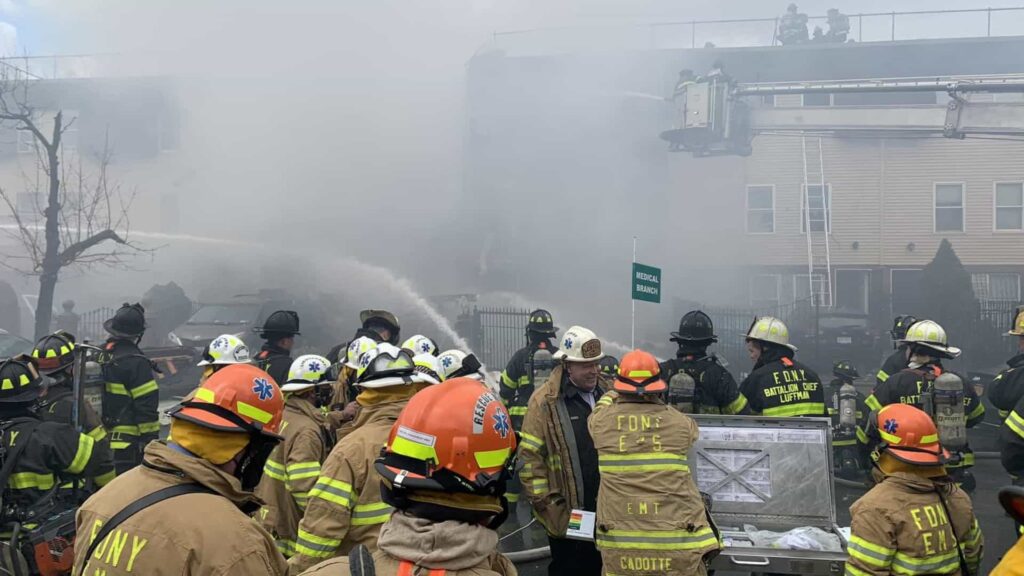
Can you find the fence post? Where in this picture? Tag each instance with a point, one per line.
(693, 34)
(893, 26)
(860, 27)
(989, 32)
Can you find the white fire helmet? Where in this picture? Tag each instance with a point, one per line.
(225, 349)
(306, 372)
(357, 348)
(579, 344)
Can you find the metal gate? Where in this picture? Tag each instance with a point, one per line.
(496, 333)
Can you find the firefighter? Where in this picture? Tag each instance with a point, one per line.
(697, 381)
(448, 494)
(279, 331)
(420, 344)
(650, 515)
(838, 26)
(198, 488)
(377, 325)
(294, 465)
(793, 26)
(899, 359)
(55, 357)
(915, 520)
(1011, 439)
(915, 385)
(778, 385)
(345, 507)
(609, 366)
(130, 393)
(1008, 386)
(343, 408)
(530, 366)
(224, 350)
(848, 410)
(456, 363)
(560, 470)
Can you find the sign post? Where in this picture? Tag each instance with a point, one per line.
(646, 286)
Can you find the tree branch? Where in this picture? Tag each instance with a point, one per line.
(72, 253)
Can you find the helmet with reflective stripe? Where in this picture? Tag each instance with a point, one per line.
(695, 326)
(931, 335)
(845, 369)
(770, 330)
(609, 366)
(541, 322)
(237, 398)
(388, 365)
(357, 348)
(639, 373)
(20, 381)
(420, 344)
(1017, 328)
(225, 349)
(306, 372)
(908, 434)
(900, 325)
(428, 364)
(54, 352)
(456, 363)
(579, 344)
(128, 322)
(454, 437)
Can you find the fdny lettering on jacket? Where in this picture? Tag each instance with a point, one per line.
(642, 424)
(933, 525)
(119, 548)
(791, 386)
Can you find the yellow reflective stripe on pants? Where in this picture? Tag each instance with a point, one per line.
(531, 442)
(129, 429)
(873, 402)
(657, 539)
(98, 433)
(275, 471)
(854, 571)
(870, 553)
(736, 406)
(143, 389)
(82, 456)
(1015, 423)
(947, 563)
(315, 546)
(369, 514)
(643, 462)
(796, 409)
(23, 480)
(300, 470)
(149, 427)
(333, 491)
(539, 485)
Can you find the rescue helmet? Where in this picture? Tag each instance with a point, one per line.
(579, 344)
(845, 369)
(453, 438)
(541, 322)
(420, 344)
(695, 326)
(639, 373)
(609, 366)
(456, 363)
(20, 381)
(237, 398)
(306, 372)
(280, 323)
(930, 335)
(225, 349)
(357, 348)
(900, 325)
(428, 364)
(54, 352)
(908, 434)
(388, 365)
(1017, 327)
(128, 322)
(770, 330)
(381, 319)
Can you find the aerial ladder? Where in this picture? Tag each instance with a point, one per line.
(715, 116)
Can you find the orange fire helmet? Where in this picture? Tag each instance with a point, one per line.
(453, 437)
(909, 434)
(639, 373)
(236, 398)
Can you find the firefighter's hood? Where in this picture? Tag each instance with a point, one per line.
(449, 545)
(164, 458)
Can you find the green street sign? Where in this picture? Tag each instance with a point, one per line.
(646, 283)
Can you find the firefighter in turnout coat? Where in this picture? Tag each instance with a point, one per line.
(345, 507)
(650, 515)
(779, 386)
(294, 465)
(915, 520)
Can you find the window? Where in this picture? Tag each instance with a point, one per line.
(852, 288)
(817, 99)
(906, 290)
(1009, 206)
(949, 207)
(1003, 287)
(768, 100)
(821, 209)
(802, 289)
(760, 209)
(764, 291)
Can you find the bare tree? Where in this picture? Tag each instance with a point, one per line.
(85, 216)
